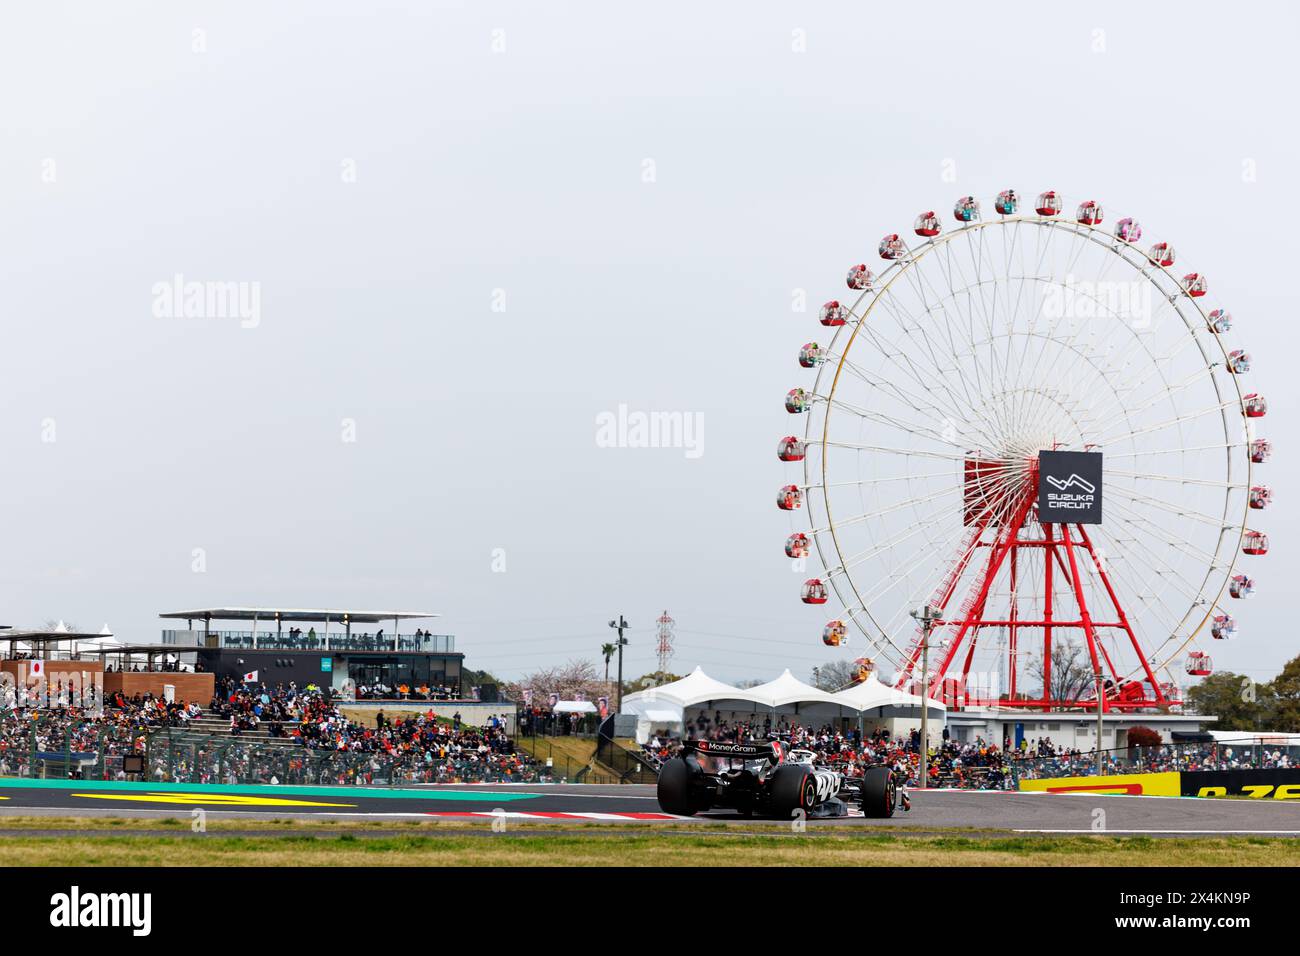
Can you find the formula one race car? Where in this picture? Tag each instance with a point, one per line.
(769, 780)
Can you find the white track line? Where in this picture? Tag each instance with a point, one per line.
(568, 793)
(1111, 832)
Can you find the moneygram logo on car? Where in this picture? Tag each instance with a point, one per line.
(1069, 487)
(714, 747)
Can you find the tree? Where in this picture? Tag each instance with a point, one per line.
(654, 679)
(1143, 737)
(1072, 676)
(1238, 702)
(834, 676)
(1286, 698)
(607, 651)
(472, 678)
(568, 681)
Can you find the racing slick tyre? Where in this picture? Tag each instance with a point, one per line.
(679, 788)
(792, 788)
(879, 792)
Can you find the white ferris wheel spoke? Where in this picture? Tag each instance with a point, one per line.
(1169, 540)
(1197, 604)
(1215, 522)
(907, 397)
(929, 431)
(1176, 479)
(943, 514)
(1165, 396)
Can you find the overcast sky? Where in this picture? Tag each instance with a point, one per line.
(474, 228)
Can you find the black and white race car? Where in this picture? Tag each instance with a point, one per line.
(769, 780)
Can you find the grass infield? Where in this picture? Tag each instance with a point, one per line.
(88, 842)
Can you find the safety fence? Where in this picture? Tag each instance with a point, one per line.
(1245, 754)
(629, 766)
(187, 757)
(56, 743)
(539, 723)
(567, 757)
(56, 746)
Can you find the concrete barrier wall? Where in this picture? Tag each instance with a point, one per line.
(189, 687)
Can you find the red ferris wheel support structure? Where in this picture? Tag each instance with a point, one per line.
(1002, 519)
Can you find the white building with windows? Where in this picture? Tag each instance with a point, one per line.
(1078, 729)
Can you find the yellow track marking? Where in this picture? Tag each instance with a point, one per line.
(213, 799)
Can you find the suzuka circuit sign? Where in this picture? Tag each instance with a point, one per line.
(1069, 487)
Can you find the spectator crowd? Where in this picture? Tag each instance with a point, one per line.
(284, 733)
(310, 741)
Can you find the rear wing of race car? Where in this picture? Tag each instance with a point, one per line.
(717, 748)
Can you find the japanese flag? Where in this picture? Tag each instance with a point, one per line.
(250, 677)
(36, 668)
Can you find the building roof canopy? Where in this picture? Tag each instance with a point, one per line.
(303, 615)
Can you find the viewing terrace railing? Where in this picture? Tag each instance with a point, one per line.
(334, 641)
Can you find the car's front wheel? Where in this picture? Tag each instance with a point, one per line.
(792, 788)
(879, 792)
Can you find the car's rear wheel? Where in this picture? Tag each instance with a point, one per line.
(792, 788)
(680, 788)
(879, 793)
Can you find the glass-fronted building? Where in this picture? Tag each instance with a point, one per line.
(354, 653)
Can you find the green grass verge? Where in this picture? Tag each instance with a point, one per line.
(641, 848)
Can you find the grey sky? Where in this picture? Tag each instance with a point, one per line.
(522, 171)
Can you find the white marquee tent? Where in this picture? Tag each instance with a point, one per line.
(872, 698)
(788, 689)
(671, 705)
(696, 688)
(574, 707)
(664, 706)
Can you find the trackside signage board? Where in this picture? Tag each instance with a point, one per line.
(1166, 784)
(1069, 487)
(1282, 784)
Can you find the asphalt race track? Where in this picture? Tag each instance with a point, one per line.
(942, 810)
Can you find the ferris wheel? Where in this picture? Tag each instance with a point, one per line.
(1032, 423)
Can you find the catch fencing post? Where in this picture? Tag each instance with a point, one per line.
(928, 616)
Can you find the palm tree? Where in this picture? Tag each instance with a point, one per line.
(608, 651)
